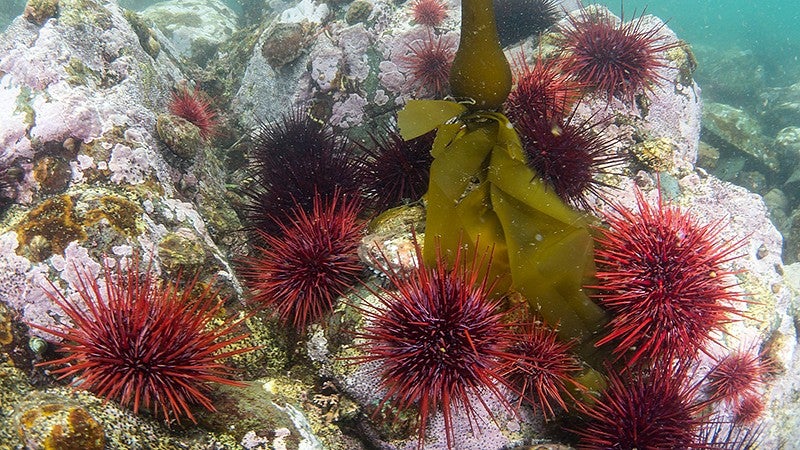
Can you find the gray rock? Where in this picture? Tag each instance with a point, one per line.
(736, 129)
(196, 28)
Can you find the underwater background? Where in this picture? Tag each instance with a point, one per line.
(121, 133)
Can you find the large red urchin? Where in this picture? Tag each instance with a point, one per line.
(429, 12)
(396, 170)
(293, 159)
(300, 271)
(143, 342)
(545, 367)
(652, 408)
(195, 107)
(661, 274)
(427, 62)
(440, 338)
(542, 91)
(618, 58)
(568, 154)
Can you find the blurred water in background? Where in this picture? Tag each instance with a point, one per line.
(767, 28)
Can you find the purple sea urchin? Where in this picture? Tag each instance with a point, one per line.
(396, 170)
(294, 159)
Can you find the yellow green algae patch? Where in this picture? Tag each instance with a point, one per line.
(50, 227)
(61, 427)
(55, 222)
(482, 194)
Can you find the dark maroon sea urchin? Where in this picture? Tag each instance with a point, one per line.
(645, 408)
(518, 19)
(396, 170)
(146, 343)
(568, 154)
(440, 339)
(293, 159)
(619, 59)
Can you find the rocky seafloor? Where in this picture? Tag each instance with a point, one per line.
(84, 85)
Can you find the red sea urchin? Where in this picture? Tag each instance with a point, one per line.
(427, 62)
(429, 12)
(542, 91)
(300, 271)
(661, 275)
(195, 106)
(617, 58)
(652, 408)
(737, 375)
(544, 369)
(440, 339)
(145, 343)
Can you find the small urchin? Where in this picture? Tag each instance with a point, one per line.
(143, 342)
(617, 58)
(738, 375)
(430, 13)
(545, 369)
(427, 61)
(662, 275)
(195, 106)
(396, 170)
(299, 272)
(440, 338)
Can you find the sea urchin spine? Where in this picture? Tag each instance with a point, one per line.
(144, 343)
(301, 270)
(440, 338)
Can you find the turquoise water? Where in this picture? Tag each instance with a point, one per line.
(767, 28)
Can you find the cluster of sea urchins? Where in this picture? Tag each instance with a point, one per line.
(441, 334)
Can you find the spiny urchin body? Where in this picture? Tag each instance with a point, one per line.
(195, 107)
(427, 62)
(429, 12)
(545, 369)
(518, 19)
(300, 271)
(294, 159)
(617, 58)
(738, 375)
(396, 170)
(542, 91)
(569, 154)
(144, 343)
(645, 408)
(440, 338)
(661, 274)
